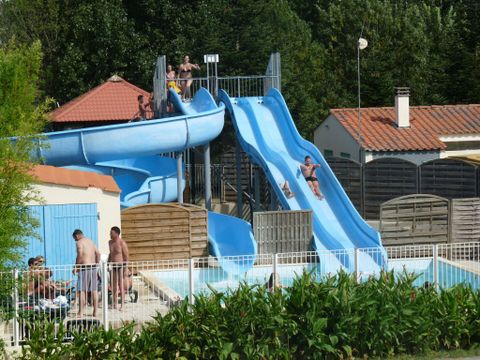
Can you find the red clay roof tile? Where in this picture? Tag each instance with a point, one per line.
(427, 123)
(76, 178)
(114, 100)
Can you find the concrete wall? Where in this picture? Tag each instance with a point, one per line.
(416, 157)
(108, 206)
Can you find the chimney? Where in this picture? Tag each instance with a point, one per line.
(402, 107)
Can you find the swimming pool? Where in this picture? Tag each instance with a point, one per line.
(449, 274)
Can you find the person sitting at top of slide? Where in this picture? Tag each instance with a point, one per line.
(308, 171)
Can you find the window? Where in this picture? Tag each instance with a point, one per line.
(327, 152)
(345, 155)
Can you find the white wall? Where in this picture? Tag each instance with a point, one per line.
(108, 205)
(332, 135)
(416, 157)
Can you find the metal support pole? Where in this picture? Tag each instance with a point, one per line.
(193, 177)
(179, 156)
(357, 265)
(208, 177)
(238, 173)
(191, 285)
(275, 270)
(256, 184)
(16, 327)
(104, 274)
(435, 266)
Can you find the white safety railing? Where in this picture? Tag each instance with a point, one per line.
(238, 86)
(146, 288)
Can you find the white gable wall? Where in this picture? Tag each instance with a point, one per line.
(332, 135)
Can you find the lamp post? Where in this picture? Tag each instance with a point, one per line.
(361, 44)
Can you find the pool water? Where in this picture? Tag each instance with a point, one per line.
(205, 279)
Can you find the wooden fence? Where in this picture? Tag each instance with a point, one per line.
(421, 219)
(415, 219)
(282, 231)
(371, 184)
(465, 218)
(165, 231)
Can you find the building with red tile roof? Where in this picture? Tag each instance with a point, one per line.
(73, 199)
(114, 101)
(74, 178)
(421, 134)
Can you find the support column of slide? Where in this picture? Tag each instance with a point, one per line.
(208, 180)
(238, 164)
(179, 156)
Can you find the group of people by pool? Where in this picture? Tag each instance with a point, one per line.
(39, 282)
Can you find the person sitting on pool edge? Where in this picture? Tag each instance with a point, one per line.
(308, 171)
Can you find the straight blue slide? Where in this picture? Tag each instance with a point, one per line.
(267, 133)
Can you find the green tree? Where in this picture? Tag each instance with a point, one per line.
(21, 115)
(84, 42)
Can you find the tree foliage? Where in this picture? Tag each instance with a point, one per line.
(429, 45)
(20, 115)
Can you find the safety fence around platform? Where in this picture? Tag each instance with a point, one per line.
(84, 297)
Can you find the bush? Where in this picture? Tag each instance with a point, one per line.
(334, 318)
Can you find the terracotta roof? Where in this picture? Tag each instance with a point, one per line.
(114, 100)
(76, 178)
(427, 123)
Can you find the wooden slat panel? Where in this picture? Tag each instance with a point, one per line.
(415, 219)
(386, 179)
(465, 220)
(349, 173)
(448, 178)
(282, 231)
(165, 231)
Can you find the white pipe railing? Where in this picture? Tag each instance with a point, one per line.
(145, 288)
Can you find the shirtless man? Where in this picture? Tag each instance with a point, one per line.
(88, 257)
(308, 171)
(118, 256)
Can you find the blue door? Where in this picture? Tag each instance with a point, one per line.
(36, 245)
(58, 223)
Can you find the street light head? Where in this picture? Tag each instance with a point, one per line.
(362, 43)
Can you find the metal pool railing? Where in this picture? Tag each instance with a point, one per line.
(151, 287)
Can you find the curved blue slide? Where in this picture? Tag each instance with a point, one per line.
(143, 180)
(267, 133)
(90, 146)
(129, 152)
(232, 238)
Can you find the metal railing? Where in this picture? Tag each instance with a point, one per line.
(217, 181)
(148, 288)
(237, 86)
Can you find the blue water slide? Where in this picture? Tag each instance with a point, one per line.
(129, 152)
(230, 239)
(229, 236)
(202, 123)
(267, 133)
(143, 180)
